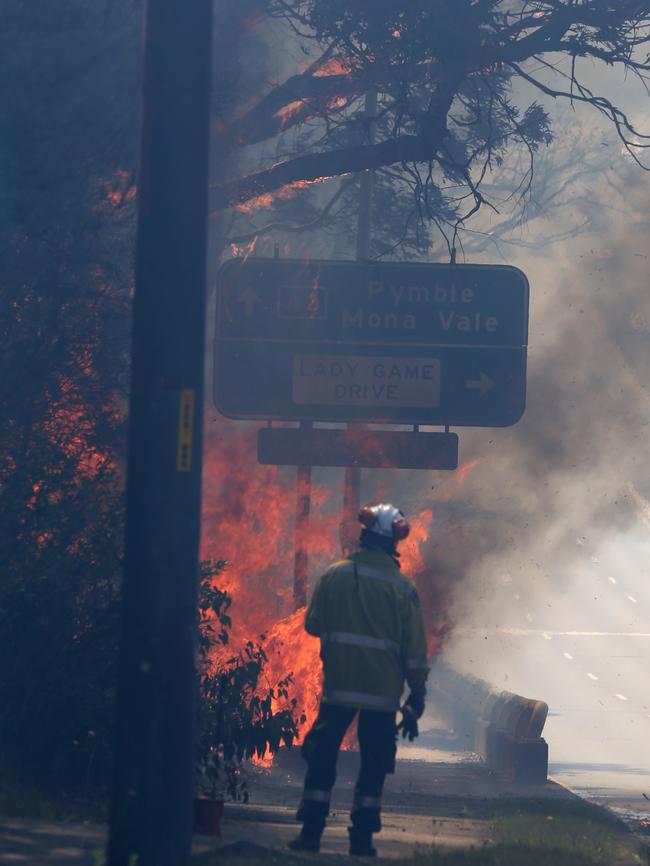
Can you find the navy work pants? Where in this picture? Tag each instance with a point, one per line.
(377, 743)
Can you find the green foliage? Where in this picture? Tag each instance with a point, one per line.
(214, 622)
(499, 855)
(237, 718)
(574, 829)
(445, 29)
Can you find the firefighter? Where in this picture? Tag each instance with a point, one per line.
(368, 618)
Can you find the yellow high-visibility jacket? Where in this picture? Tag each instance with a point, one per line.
(368, 617)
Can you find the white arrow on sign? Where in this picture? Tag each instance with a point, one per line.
(249, 298)
(482, 384)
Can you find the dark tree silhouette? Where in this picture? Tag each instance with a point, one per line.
(447, 74)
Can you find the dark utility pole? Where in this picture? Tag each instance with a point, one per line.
(154, 765)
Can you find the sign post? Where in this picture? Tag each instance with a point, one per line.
(303, 507)
(352, 479)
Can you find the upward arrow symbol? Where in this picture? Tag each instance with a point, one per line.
(483, 384)
(249, 298)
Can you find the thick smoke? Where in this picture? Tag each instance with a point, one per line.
(573, 472)
(537, 499)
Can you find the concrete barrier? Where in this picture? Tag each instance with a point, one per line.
(505, 728)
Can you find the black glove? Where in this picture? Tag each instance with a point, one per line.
(409, 724)
(415, 701)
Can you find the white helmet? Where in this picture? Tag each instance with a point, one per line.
(385, 520)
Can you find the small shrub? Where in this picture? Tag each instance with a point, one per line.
(239, 717)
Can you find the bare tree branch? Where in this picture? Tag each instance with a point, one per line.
(318, 166)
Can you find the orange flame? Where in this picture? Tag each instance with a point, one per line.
(466, 468)
(117, 191)
(268, 199)
(244, 251)
(302, 110)
(335, 66)
(248, 519)
(287, 112)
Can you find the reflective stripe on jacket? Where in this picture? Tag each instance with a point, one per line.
(368, 617)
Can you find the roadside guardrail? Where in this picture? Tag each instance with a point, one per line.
(503, 728)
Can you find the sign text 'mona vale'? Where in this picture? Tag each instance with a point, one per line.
(452, 309)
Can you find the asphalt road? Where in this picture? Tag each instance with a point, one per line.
(582, 644)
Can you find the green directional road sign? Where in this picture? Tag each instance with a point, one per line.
(375, 342)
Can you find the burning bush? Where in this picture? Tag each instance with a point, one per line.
(240, 715)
